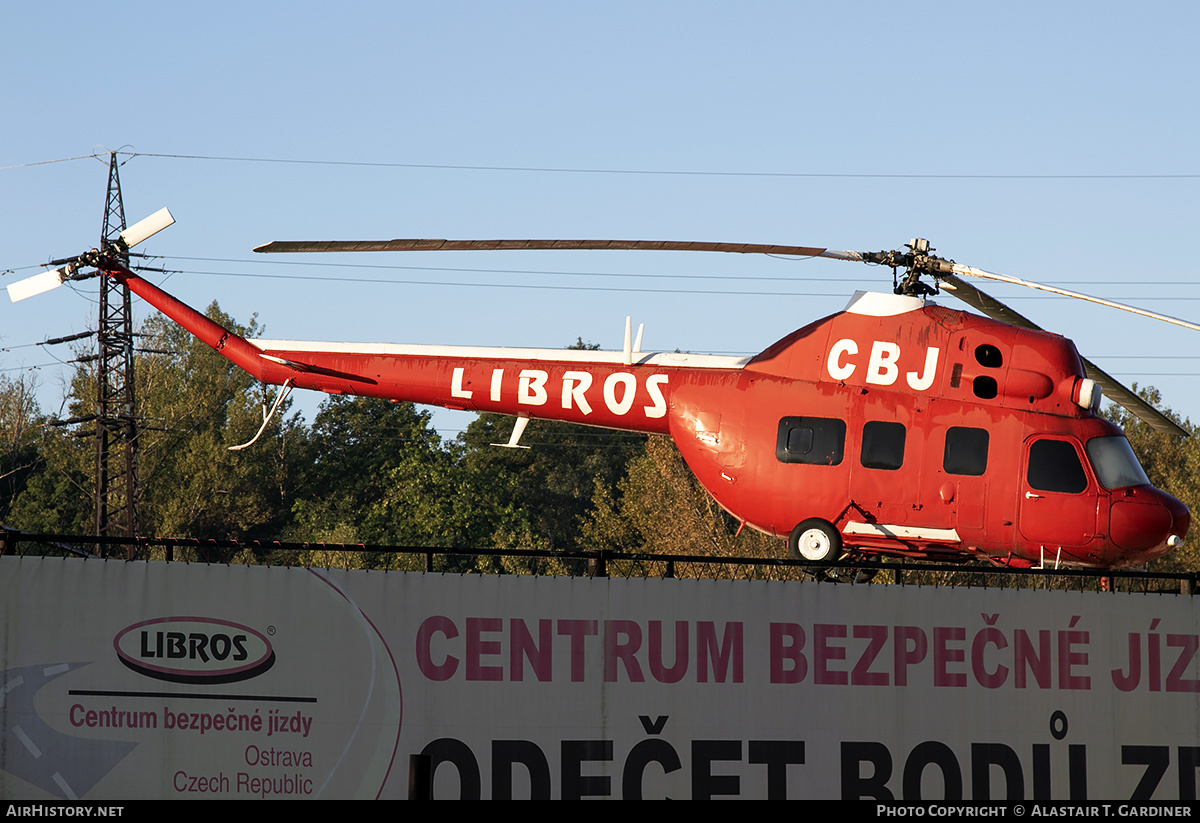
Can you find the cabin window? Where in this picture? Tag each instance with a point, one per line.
(883, 445)
(966, 451)
(984, 387)
(1054, 467)
(813, 440)
(1115, 463)
(989, 356)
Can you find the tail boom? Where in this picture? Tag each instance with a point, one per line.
(598, 388)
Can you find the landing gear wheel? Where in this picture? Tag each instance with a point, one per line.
(815, 540)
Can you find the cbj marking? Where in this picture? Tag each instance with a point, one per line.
(882, 366)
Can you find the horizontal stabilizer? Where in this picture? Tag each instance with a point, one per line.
(311, 369)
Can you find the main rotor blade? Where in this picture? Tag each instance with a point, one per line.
(1113, 389)
(281, 246)
(1016, 281)
(969, 294)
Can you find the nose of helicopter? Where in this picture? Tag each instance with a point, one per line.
(1145, 523)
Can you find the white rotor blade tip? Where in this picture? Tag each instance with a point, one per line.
(32, 286)
(147, 228)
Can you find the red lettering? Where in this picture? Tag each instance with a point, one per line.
(862, 676)
(1037, 662)
(728, 654)
(943, 655)
(1068, 659)
(1187, 645)
(432, 626)
(615, 650)
(788, 664)
(661, 673)
(522, 646)
(994, 679)
(823, 653)
(477, 647)
(577, 630)
(902, 655)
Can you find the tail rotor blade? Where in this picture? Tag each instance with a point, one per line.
(44, 282)
(39, 283)
(147, 228)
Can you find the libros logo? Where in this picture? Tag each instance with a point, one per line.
(194, 650)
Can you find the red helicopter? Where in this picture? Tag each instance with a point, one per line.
(894, 427)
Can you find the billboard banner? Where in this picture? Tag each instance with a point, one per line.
(154, 680)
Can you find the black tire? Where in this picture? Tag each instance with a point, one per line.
(815, 540)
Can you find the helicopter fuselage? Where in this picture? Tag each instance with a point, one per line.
(906, 427)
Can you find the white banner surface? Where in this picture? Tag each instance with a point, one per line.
(153, 680)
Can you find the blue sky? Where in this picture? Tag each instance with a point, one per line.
(1054, 142)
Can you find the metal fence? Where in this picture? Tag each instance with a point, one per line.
(587, 563)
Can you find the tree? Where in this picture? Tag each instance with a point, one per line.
(194, 404)
(660, 508)
(378, 474)
(57, 496)
(47, 487)
(538, 496)
(21, 427)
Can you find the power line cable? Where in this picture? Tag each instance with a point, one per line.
(622, 289)
(668, 172)
(641, 275)
(584, 170)
(47, 162)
